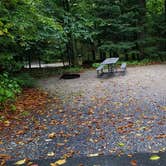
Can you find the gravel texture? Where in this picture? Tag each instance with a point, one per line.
(90, 115)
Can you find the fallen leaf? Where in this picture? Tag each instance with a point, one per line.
(31, 164)
(6, 123)
(2, 163)
(161, 136)
(121, 144)
(93, 155)
(60, 144)
(149, 138)
(68, 155)
(154, 157)
(20, 162)
(133, 162)
(50, 154)
(20, 132)
(59, 162)
(80, 165)
(130, 155)
(48, 140)
(5, 156)
(163, 108)
(52, 135)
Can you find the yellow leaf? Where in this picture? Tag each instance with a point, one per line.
(121, 144)
(6, 123)
(154, 157)
(20, 162)
(50, 154)
(93, 155)
(163, 108)
(59, 162)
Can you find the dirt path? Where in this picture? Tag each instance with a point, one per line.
(139, 81)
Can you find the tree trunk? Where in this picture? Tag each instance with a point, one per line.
(126, 56)
(141, 35)
(93, 51)
(110, 53)
(29, 61)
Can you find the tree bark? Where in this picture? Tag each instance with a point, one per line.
(93, 51)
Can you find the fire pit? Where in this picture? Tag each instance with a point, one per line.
(69, 76)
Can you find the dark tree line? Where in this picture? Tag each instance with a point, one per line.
(65, 30)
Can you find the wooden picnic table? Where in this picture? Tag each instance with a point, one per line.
(111, 62)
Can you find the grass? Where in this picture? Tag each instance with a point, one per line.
(133, 63)
(47, 72)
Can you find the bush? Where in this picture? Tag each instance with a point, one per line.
(75, 69)
(95, 65)
(8, 88)
(8, 63)
(25, 80)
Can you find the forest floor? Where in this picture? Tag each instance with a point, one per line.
(92, 116)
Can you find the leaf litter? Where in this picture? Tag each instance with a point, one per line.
(97, 123)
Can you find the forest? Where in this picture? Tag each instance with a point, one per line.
(69, 30)
(103, 100)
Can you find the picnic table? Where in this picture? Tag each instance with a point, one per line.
(111, 62)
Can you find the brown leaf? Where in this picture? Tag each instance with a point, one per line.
(20, 132)
(60, 144)
(2, 163)
(149, 138)
(161, 136)
(53, 122)
(52, 135)
(133, 162)
(5, 156)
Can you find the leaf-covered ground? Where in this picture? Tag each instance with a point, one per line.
(93, 116)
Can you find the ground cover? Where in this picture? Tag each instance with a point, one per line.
(92, 116)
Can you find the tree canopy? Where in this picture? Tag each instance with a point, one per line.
(66, 29)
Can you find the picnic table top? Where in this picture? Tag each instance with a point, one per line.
(110, 61)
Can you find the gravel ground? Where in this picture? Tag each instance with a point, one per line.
(90, 115)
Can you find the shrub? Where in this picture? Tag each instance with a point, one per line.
(73, 69)
(25, 80)
(8, 88)
(95, 65)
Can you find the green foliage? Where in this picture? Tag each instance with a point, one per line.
(133, 62)
(25, 80)
(50, 30)
(75, 69)
(8, 88)
(8, 63)
(95, 65)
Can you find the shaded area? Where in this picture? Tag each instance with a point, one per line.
(70, 76)
(141, 159)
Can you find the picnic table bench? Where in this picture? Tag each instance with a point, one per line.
(100, 70)
(123, 67)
